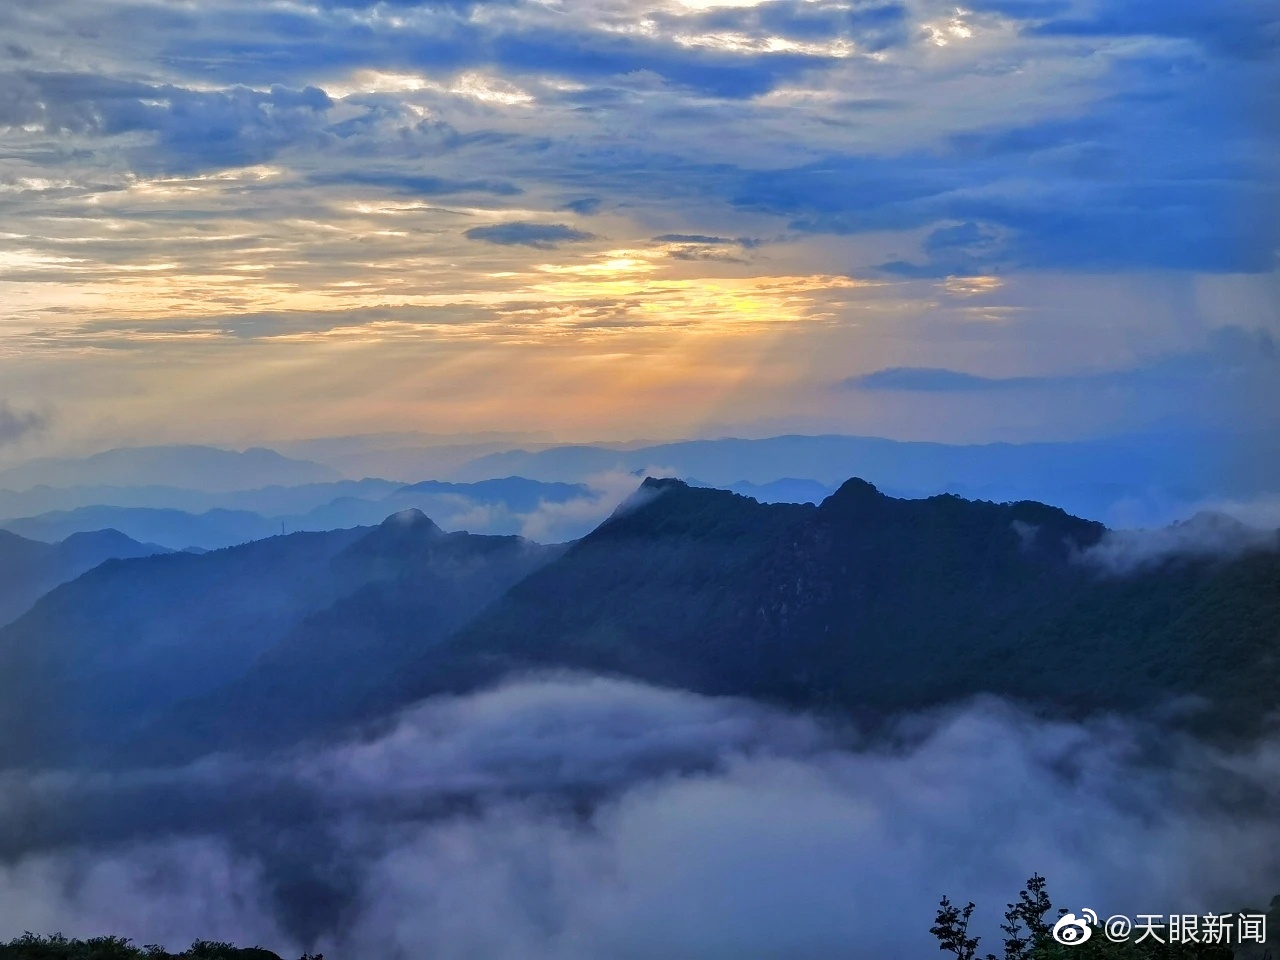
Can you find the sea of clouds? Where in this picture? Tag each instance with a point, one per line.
(574, 817)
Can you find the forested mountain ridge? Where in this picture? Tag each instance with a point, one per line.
(865, 605)
(97, 659)
(868, 604)
(426, 586)
(30, 568)
(95, 655)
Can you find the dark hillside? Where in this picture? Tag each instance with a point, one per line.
(870, 604)
(420, 586)
(30, 568)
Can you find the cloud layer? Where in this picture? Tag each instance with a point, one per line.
(578, 817)
(16, 424)
(687, 212)
(1204, 535)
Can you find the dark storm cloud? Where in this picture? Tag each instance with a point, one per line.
(520, 233)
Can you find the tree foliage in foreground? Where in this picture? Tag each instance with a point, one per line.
(57, 947)
(1028, 935)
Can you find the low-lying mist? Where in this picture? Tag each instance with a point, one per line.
(1207, 535)
(579, 817)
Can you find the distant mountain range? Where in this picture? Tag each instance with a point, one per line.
(500, 506)
(174, 529)
(409, 459)
(194, 467)
(29, 569)
(1139, 480)
(270, 501)
(864, 606)
(889, 463)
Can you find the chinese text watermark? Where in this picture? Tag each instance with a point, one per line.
(1224, 928)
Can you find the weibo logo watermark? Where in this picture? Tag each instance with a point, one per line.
(1226, 928)
(1072, 930)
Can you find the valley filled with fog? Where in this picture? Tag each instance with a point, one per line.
(567, 817)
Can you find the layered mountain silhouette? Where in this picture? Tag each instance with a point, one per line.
(175, 529)
(869, 605)
(94, 661)
(271, 500)
(490, 506)
(422, 585)
(864, 606)
(29, 569)
(1149, 472)
(197, 467)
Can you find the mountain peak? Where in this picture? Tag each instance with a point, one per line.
(96, 545)
(856, 492)
(412, 517)
(105, 537)
(400, 535)
(649, 490)
(663, 483)
(666, 507)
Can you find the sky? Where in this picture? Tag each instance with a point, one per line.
(227, 221)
